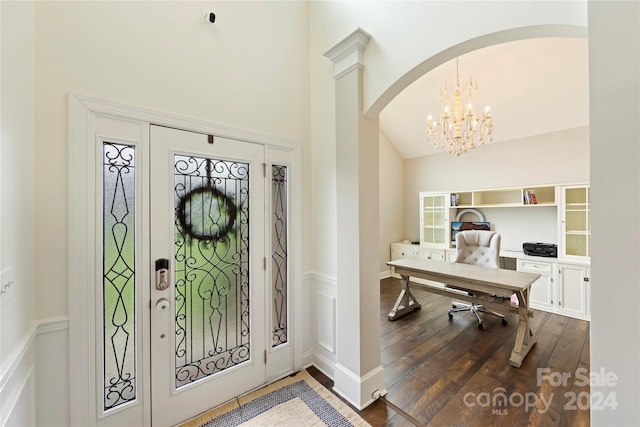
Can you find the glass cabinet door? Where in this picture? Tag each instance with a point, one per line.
(434, 218)
(577, 222)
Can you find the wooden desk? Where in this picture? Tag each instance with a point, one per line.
(488, 285)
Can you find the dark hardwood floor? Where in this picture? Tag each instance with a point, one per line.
(449, 373)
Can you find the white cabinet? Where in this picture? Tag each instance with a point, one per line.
(542, 293)
(575, 223)
(574, 290)
(434, 219)
(402, 250)
(562, 288)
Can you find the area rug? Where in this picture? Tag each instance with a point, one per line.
(298, 400)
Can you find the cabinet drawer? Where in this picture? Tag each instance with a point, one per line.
(396, 253)
(434, 254)
(402, 250)
(535, 266)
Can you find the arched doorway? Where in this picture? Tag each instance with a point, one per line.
(411, 76)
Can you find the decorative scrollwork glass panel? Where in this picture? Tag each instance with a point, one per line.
(211, 266)
(279, 269)
(118, 284)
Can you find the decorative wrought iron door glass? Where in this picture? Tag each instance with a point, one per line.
(211, 266)
(279, 194)
(118, 285)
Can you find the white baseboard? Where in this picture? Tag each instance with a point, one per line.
(307, 358)
(323, 364)
(360, 391)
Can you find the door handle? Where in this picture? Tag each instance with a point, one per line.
(162, 304)
(162, 274)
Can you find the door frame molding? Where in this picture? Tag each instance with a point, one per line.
(81, 239)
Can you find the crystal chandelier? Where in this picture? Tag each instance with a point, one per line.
(459, 129)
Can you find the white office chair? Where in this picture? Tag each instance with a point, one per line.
(477, 247)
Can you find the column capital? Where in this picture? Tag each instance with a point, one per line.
(347, 54)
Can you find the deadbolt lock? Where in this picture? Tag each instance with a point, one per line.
(162, 274)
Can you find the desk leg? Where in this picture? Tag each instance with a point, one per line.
(405, 303)
(525, 339)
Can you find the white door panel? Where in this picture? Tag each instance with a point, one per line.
(208, 220)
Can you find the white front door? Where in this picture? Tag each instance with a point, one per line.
(208, 220)
(208, 216)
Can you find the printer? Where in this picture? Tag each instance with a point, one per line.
(540, 249)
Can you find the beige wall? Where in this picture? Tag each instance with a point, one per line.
(392, 188)
(17, 197)
(18, 173)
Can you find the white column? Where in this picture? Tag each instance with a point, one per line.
(614, 136)
(358, 374)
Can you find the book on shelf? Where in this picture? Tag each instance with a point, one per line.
(529, 198)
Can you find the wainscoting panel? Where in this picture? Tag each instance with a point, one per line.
(321, 345)
(52, 367)
(34, 383)
(17, 401)
(325, 321)
(22, 411)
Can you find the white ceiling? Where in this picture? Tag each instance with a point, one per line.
(533, 87)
